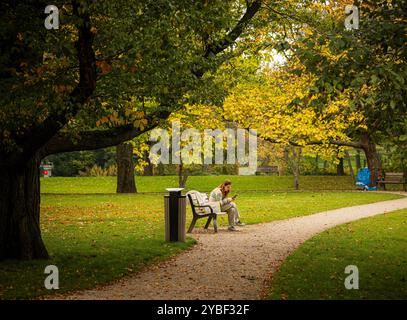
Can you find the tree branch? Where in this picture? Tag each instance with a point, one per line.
(342, 143)
(235, 33)
(87, 83)
(97, 139)
(91, 140)
(216, 48)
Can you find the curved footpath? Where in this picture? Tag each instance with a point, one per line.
(230, 265)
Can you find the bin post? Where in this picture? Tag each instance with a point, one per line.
(175, 215)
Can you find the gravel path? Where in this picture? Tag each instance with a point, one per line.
(230, 265)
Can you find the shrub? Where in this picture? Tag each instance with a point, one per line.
(97, 171)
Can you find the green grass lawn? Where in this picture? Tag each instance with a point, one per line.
(95, 238)
(76, 185)
(376, 245)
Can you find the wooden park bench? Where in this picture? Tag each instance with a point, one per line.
(202, 208)
(266, 170)
(393, 178)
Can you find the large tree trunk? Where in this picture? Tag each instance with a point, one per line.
(372, 158)
(20, 234)
(125, 169)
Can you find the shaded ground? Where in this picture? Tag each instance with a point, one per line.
(230, 265)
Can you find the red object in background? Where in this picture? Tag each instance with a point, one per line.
(45, 172)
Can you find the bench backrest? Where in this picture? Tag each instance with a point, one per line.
(192, 199)
(394, 176)
(197, 198)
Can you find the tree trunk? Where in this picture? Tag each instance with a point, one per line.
(372, 158)
(352, 173)
(148, 169)
(20, 234)
(182, 175)
(339, 168)
(358, 162)
(160, 169)
(125, 169)
(286, 155)
(296, 158)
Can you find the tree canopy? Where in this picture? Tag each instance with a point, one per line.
(111, 71)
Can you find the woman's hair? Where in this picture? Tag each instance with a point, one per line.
(223, 185)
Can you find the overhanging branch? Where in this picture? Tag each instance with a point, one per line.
(91, 140)
(85, 87)
(341, 143)
(213, 49)
(235, 33)
(97, 139)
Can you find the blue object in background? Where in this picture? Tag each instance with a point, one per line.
(363, 180)
(367, 188)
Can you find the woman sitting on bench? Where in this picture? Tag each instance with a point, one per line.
(220, 194)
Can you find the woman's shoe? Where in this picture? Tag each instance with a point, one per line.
(232, 228)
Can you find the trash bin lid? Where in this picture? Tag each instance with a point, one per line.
(174, 189)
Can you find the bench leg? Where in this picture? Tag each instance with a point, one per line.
(215, 224)
(191, 227)
(208, 222)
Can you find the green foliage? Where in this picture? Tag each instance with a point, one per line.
(150, 58)
(395, 158)
(369, 64)
(72, 163)
(97, 171)
(395, 148)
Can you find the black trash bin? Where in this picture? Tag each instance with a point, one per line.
(175, 215)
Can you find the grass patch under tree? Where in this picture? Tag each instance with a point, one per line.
(77, 185)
